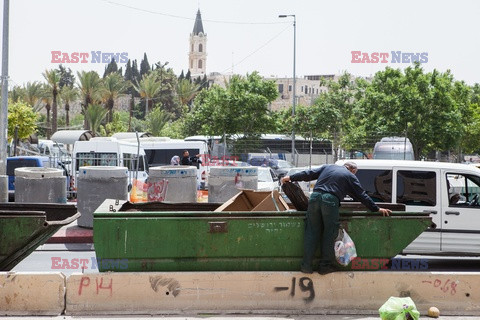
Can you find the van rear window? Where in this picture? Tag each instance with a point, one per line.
(416, 188)
(377, 184)
(19, 163)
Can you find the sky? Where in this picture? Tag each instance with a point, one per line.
(246, 36)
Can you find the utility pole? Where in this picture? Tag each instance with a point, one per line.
(294, 102)
(4, 109)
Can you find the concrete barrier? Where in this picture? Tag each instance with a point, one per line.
(260, 292)
(42, 185)
(32, 293)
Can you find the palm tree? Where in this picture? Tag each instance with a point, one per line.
(47, 100)
(68, 94)
(89, 85)
(32, 94)
(148, 88)
(94, 115)
(53, 79)
(156, 120)
(186, 91)
(112, 86)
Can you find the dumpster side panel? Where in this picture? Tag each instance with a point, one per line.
(203, 241)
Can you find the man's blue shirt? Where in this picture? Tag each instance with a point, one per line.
(337, 180)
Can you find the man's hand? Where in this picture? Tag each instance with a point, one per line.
(285, 179)
(385, 212)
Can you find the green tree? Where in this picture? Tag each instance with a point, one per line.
(46, 98)
(148, 89)
(89, 84)
(112, 67)
(66, 77)
(420, 105)
(186, 92)
(333, 111)
(32, 93)
(116, 125)
(241, 107)
(144, 66)
(68, 95)
(94, 116)
(23, 117)
(112, 87)
(156, 120)
(53, 81)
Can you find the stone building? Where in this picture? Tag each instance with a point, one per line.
(197, 56)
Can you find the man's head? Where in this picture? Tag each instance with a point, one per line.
(185, 153)
(351, 166)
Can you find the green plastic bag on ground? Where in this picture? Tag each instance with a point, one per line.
(399, 309)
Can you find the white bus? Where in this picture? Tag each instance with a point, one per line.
(107, 151)
(160, 150)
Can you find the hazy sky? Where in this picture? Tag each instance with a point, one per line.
(247, 34)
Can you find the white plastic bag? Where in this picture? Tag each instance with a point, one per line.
(345, 249)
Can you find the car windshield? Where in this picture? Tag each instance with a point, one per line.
(284, 164)
(264, 176)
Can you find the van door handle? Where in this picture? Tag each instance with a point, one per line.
(453, 212)
(430, 211)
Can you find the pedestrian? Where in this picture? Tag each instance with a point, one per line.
(334, 182)
(175, 161)
(190, 161)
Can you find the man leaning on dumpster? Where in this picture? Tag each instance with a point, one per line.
(334, 182)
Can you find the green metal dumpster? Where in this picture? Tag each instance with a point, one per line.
(24, 227)
(176, 240)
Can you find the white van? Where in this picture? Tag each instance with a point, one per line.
(160, 150)
(107, 151)
(448, 191)
(53, 149)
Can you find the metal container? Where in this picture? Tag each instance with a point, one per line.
(235, 241)
(40, 185)
(26, 226)
(225, 182)
(94, 185)
(176, 184)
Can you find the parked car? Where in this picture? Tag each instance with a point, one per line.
(20, 162)
(267, 179)
(280, 167)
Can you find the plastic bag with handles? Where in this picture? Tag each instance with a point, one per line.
(345, 250)
(399, 309)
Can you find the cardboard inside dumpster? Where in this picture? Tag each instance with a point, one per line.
(251, 200)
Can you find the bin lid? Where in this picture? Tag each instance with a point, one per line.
(172, 172)
(232, 172)
(38, 172)
(103, 172)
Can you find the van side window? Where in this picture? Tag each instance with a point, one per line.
(463, 190)
(416, 188)
(377, 184)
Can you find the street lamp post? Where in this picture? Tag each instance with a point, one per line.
(294, 80)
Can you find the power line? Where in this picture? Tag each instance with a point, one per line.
(186, 18)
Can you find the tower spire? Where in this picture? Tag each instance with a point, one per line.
(198, 27)
(198, 48)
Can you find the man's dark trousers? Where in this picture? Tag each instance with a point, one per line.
(322, 223)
